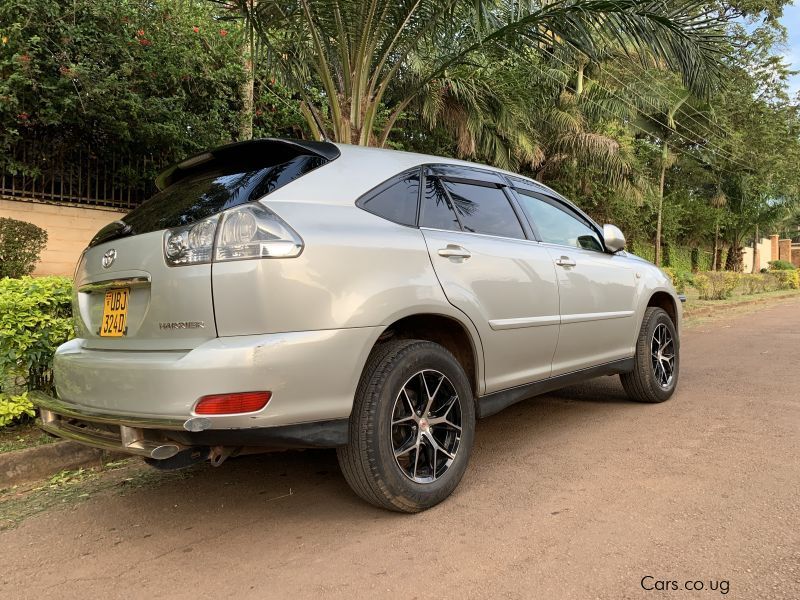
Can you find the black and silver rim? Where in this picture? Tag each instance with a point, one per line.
(426, 426)
(662, 349)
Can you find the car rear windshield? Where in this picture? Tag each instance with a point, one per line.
(210, 183)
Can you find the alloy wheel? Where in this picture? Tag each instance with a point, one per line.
(426, 426)
(662, 349)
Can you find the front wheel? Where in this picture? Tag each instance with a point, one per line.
(657, 361)
(412, 427)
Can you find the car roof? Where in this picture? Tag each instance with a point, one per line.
(359, 169)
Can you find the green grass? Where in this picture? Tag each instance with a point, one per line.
(697, 311)
(693, 299)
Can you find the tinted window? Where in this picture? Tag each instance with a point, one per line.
(437, 212)
(210, 188)
(395, 201)
(484, 210)
(557, 226)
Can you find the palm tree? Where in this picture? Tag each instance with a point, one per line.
(666, 160)
(358, 65)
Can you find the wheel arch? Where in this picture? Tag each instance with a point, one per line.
(665, 301)
(447, 331)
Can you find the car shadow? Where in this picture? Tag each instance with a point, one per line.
(297, 482)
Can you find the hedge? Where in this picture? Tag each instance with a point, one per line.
(716, 285)
(35, 318)
(21, 243)
(677, 258)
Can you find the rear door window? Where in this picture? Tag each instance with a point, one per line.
(396, 200)
(437, 210)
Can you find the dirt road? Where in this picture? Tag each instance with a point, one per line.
(578, 494)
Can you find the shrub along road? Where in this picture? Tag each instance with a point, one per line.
(578, 494)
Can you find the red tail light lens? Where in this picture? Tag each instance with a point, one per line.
(230, 404)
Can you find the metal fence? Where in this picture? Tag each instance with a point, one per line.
(78, 177)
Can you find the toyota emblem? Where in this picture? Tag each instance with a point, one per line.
(109, 257)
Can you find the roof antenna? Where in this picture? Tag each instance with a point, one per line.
(306, 107)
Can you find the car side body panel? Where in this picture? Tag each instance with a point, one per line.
(508, 288)
(598, 301)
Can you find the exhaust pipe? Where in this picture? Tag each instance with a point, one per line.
(181, 459)
(164, 451)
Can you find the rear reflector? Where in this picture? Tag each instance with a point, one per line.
(229, 404)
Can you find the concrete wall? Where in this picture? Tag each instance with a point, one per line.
(764, 255)
(69, 230)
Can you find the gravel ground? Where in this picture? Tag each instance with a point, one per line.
(577, 494)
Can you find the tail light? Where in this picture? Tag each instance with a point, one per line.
(249, 231)
(230, 404)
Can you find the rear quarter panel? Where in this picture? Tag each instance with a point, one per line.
(356, 270)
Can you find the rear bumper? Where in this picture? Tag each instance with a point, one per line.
(161, 439)
(120, 435)
(312, 376)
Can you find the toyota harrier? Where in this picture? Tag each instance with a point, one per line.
(288, 294)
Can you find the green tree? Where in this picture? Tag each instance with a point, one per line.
(135, 79)
(371, 60)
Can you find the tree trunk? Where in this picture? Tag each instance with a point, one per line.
(717, 249)
(756, 258)
(733, 257)
(247, 89)
(579, 77)
(664, 155)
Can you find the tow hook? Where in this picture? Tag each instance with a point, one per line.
(219, 454)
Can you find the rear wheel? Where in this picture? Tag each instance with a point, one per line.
(412, 427)
(657, 361)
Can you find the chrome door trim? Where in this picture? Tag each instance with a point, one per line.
(483, 235)
(601, 316)
(107, 284)
(519, 323)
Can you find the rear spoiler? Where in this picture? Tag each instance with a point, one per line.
(243, 151)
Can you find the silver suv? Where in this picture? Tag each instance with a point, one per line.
(279, 294)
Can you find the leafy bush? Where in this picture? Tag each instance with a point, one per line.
(678, 258)
(680, 279)
(781, 265)
(14, 407)
(21, 244)
(132, 80)
(35, 318)
(716, 285)
(756, 283)
(787, 280)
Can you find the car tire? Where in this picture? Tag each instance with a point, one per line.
(657, 361)
(401, 379)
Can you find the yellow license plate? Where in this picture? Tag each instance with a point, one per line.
(115, 313)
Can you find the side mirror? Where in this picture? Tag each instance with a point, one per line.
(613, 238)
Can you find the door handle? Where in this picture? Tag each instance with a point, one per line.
(454, 251)
(565, 261)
